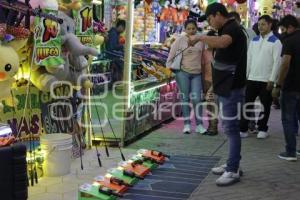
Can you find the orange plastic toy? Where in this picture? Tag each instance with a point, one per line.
(154, 156)
(138, 169)
(7, 141)
(113, 184)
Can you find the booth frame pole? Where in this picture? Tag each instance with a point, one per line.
(127, 66)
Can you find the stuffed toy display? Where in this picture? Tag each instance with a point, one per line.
(12, 39)
(66, 5)
(9, 65)
(75, 62)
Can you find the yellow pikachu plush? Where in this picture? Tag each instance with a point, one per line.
(9, 65)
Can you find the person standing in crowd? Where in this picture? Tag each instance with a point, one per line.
(188, 78)
(113, 44)
(114, 35)
(275, 29)
(262, 69)
(288, 82)
(250, 35)
(212, 114)
(249, 32)
(229, 79)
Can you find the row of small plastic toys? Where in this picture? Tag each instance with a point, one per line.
(118, 180)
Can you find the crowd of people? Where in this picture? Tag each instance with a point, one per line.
(233, 66)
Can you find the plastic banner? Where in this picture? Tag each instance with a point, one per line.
(84, 23)
(31, 122)
(48, 41)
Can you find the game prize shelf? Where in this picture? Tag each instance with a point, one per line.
(152, 99)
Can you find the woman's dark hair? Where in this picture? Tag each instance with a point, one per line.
(190, 21)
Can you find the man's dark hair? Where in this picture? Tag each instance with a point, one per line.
(255, 28)
(289, 20)
(267, 18)
(213, 8)
(235, 15)
(190, 21)
(121, 22)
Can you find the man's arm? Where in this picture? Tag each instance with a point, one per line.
(249, 59)
(277, 49)
(218, 42)
(284, 68)
(276, 56)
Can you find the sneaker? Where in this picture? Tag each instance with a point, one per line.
(200, 129)
(298, 153)
(244, 134)
(221, 169)
(186, 129)
(228, 178)
(262, 135)
(286, 156)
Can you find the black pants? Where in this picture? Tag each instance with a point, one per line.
(256, 89)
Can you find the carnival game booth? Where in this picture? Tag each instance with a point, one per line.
(48, 95)
(46, 46)
(151, 97)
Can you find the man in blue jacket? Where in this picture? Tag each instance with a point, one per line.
(113, 44)
(113, 36)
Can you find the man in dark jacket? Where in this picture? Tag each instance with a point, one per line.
(113, 44)
(288, 82)
(229, 79)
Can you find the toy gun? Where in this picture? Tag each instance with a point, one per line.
(25, 10)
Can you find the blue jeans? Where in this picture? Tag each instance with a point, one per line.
(190, 87)
(230, 110)
(290, 110)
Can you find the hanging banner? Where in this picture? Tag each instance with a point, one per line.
(84, 23)
(31, 122)
(57, 110)
(48, 41)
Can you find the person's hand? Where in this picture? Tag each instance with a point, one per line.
(270, 86)
(276, 93)
(194, 39)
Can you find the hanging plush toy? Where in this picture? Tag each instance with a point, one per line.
(156, 8)
(67, 5)
(174, 12)
(183, 12)
(75, 62)
(166, 12)
(9, 65)
(195, 12)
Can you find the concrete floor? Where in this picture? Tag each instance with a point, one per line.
(266, 177)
